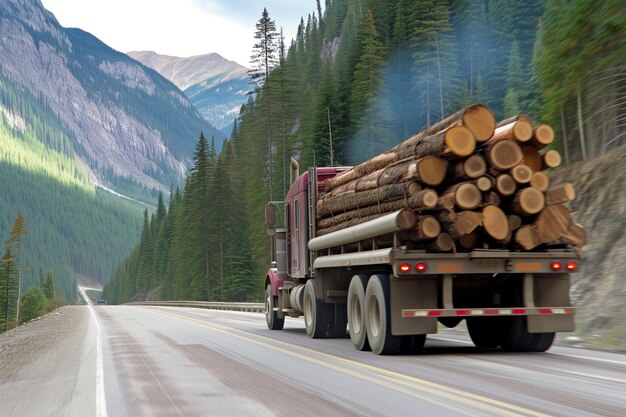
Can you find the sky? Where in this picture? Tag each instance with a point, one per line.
(180, 27)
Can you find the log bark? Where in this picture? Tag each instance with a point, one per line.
(522, 174)
(345, 202)
(552, 223)
(503, 155)
(519, 131)
(471, 168)
(575, 235)
(495, 222)
(540, 181)
(526, 237)
(477, 118)
(542, 137)
(531, 158)
(505, 185)
(528, 201)
(423, 200)
(551, 159)
(560, 194)
(512, 119)
(426, 228)
(443, 243)
(461, 223)
(469, 240)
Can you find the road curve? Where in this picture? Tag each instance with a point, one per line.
(160, 361)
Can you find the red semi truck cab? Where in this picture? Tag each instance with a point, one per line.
(393, 297)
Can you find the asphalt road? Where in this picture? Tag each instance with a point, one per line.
(157, 361)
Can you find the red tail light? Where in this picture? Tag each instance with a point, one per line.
(571, 266)
(405, 267)
(420, 267)
(556, 265)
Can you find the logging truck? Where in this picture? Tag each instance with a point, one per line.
(389, 275)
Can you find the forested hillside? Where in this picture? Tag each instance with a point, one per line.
(369, 74)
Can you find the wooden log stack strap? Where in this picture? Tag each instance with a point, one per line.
(560, 194)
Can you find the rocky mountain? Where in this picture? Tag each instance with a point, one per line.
(128, 126)
(215, 85)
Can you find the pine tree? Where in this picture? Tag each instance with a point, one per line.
(15, 243)
(514, 82)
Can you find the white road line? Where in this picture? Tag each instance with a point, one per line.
(589, 358)
(450, 340)
(101, 404)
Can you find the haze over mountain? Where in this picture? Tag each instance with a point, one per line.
(215, 85)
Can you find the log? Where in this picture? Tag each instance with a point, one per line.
(540, 181)
(542, 136)
(560, 194)
(551, 159)
(426, 228)
(503, 155)
(484, 183)
(492, 198)
(465, 195)
(349, 201)
(429, 170)
(505, 185)
(495, 222)
(515, 222)
(443, 243)
(461, 223)
(522, 174)
(519, 131)
(526, 237)
(575, 235)
(531, 158)
(471, 168)
(469, 240)
(405, 220)
(552, 223)
(528, 201)
(512, 119)
(423, 200)
(477, 118)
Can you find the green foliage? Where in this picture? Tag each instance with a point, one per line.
(9, 289)
(34, 304)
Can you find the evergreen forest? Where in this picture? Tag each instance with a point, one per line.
(360, 77)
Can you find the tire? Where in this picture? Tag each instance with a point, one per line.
(542, 341)
(340, 320)
(271, 316)
(412, 343)
(317, 314)
(356, 312)
(518, 339)
(485, 332)
(377, 317)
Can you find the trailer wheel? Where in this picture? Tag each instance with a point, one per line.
(271, 316)
(340, 320)
(518, 339)
(356, 312)
(377, 316)
(485, 332)
(317, 313)
(542, 341)
(412, 343)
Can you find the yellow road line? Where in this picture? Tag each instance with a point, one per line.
(407, 381)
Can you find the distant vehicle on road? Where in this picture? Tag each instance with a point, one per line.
(101, 301)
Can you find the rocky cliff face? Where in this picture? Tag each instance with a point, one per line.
(125, 120)
(216, 86)
(599, 289)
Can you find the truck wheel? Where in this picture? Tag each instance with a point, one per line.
(377, 316)
(271, 316)
(541, 342)
(412, 343)
(317, 313)
(356, 312)
(518, 339)
(485, 332)
(340, 320)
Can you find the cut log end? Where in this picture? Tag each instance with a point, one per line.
(522, 174)
(515, 222)
(429, 227)
(551, 159)
(495, 222)
(523, 131)
(484, 183)
(540, 181)
(460, 141)
(480, 121)
(526, 237)
(505, 154)
(432, 170)
(560, 194)
(429, 198)
(543, 136)
(468, 196)
(443, 243)
(475, 166)
(528, 201)
(505, 185)
(406, 219)
(413, 188)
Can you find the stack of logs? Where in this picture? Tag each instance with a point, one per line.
(471, 183)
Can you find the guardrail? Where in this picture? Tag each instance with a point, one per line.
(213, 305)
